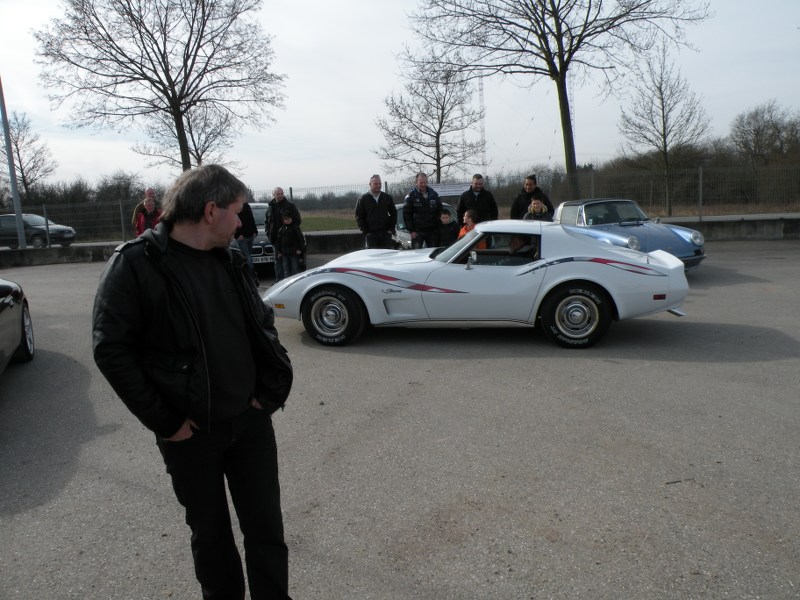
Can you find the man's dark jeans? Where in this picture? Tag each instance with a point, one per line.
(379, 239)
(423, 238)
(244, 452)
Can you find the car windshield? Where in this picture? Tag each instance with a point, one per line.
(37, 220)
(604, 213)
(454, 250)
(259, 213)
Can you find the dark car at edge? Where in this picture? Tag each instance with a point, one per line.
(16, 326)
(38, 231)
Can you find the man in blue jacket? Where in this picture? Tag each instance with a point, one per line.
(181, 334)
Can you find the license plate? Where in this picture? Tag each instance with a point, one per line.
(264, 259)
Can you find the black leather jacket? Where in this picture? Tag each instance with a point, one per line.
(421, 214)
(148, 345)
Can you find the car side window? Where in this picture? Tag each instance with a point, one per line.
(569, 214)
(506, 250)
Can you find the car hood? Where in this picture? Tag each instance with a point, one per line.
(390, 259)
(60, 229)
(396, 262)
(651, 236)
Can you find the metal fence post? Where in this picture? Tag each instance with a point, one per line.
(122, 223)
(700, 193)
(46, 224)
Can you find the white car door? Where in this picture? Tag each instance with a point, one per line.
(501, 290)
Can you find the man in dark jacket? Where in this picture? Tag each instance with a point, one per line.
(246, 233)
(522, 202)
(180, 333)
(478, 199)
(277, 206)
(376, 216)
(421, 210)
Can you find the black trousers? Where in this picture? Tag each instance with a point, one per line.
(379, 239)
(424, 238)
(243, 452)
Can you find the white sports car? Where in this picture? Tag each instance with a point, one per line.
(501, 272)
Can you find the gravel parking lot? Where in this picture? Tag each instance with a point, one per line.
(447, 464)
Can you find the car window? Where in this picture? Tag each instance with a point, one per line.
(629, 211)
(259, 213)
(569, 214)
(36, 220)
(505, 249)
(493, 249)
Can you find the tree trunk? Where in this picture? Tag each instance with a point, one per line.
(569, 138)
(183, 142)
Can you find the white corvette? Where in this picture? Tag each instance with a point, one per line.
(501, 272)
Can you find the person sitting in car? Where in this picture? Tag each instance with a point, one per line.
(520, 245)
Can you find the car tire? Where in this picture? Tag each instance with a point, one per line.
(38, 241)
(576, 315)
(25, 350)
(333, 316)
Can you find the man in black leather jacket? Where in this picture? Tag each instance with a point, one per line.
(421, 210)
(376, 216)
(478, 199)
(180, 333)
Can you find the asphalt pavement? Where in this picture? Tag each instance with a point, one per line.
(446, 464)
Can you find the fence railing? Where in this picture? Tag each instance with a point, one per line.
(688, 193)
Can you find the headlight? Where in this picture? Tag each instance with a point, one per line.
(697, 238)
(633, 243)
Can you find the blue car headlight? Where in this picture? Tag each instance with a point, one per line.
(697, 238)
(633, 243)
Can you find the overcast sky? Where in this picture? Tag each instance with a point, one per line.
(339, 58)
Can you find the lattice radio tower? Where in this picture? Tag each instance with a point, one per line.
(483, 124)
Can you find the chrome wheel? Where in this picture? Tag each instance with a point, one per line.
(576, 316)
(333, 315)
(329, 316)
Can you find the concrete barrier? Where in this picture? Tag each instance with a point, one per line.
(752, 227)
(99, 252)
(725, 228)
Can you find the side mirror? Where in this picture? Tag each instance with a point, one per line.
(473, 257)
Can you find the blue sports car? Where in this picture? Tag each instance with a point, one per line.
(629, 222)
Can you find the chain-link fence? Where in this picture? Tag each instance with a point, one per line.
(696, 193)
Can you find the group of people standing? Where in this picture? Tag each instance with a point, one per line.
(428, 223)
(282, 227)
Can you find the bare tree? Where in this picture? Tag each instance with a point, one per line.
(426, 128)
(549, 39)
(158, 62)
(208, 133)
(767, 133)
(32, 159)
(664, 116)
